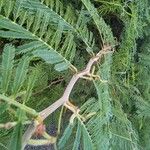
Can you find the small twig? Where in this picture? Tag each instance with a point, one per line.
(60, 119)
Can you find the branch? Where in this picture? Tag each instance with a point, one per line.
(65, 97)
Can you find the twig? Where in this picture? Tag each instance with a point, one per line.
(60, 119)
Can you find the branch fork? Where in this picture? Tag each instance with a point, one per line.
(64, 100)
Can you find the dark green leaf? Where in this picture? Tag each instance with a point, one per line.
(66, 135)
(16, 139)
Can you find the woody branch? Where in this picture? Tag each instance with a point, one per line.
(65, 97)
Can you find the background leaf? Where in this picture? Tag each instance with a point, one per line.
(7, 66)
(16, 139)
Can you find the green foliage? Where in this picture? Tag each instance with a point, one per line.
(7, 66)
(16, 138)
(20, 75)
(48, 41)
(65, 136)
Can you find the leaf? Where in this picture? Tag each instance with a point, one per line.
(52, 57)
(15, 35)
(48, 55)
(65, 20)
(77, 138)
(28, 47)
(16, 139)
(31, 82)
(66, 135)
(54, 16)
(20, 75)
(87, 141)
(61, 66)
(3, 107)
(7, 24)
(103, 28)
(13, 30)
(7, 65)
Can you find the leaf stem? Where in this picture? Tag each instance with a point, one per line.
(19, 105)
(9, 125)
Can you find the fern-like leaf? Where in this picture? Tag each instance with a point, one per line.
(77, 138)
(31, 82)
(20, 75)
(39, 32)
(16, 141)
(104, 30)
(7, 66)
(66, 18)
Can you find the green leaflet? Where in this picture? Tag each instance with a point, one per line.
(31, 82)
(105, 108)
(3, 107)
(103, 28)
(54, 15)
(7, 66)
(61, 66)
(66, 135)
(17, 8)
(16, 139)
(33, 27)
(51, 57)
(15, 35)
(15, 30)
(78, 137)
(7, 24)
(28, 47)
(87, 141)
(20, 75)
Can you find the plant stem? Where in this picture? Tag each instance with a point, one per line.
(59, 121)
(19, 105)
(9, 125)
